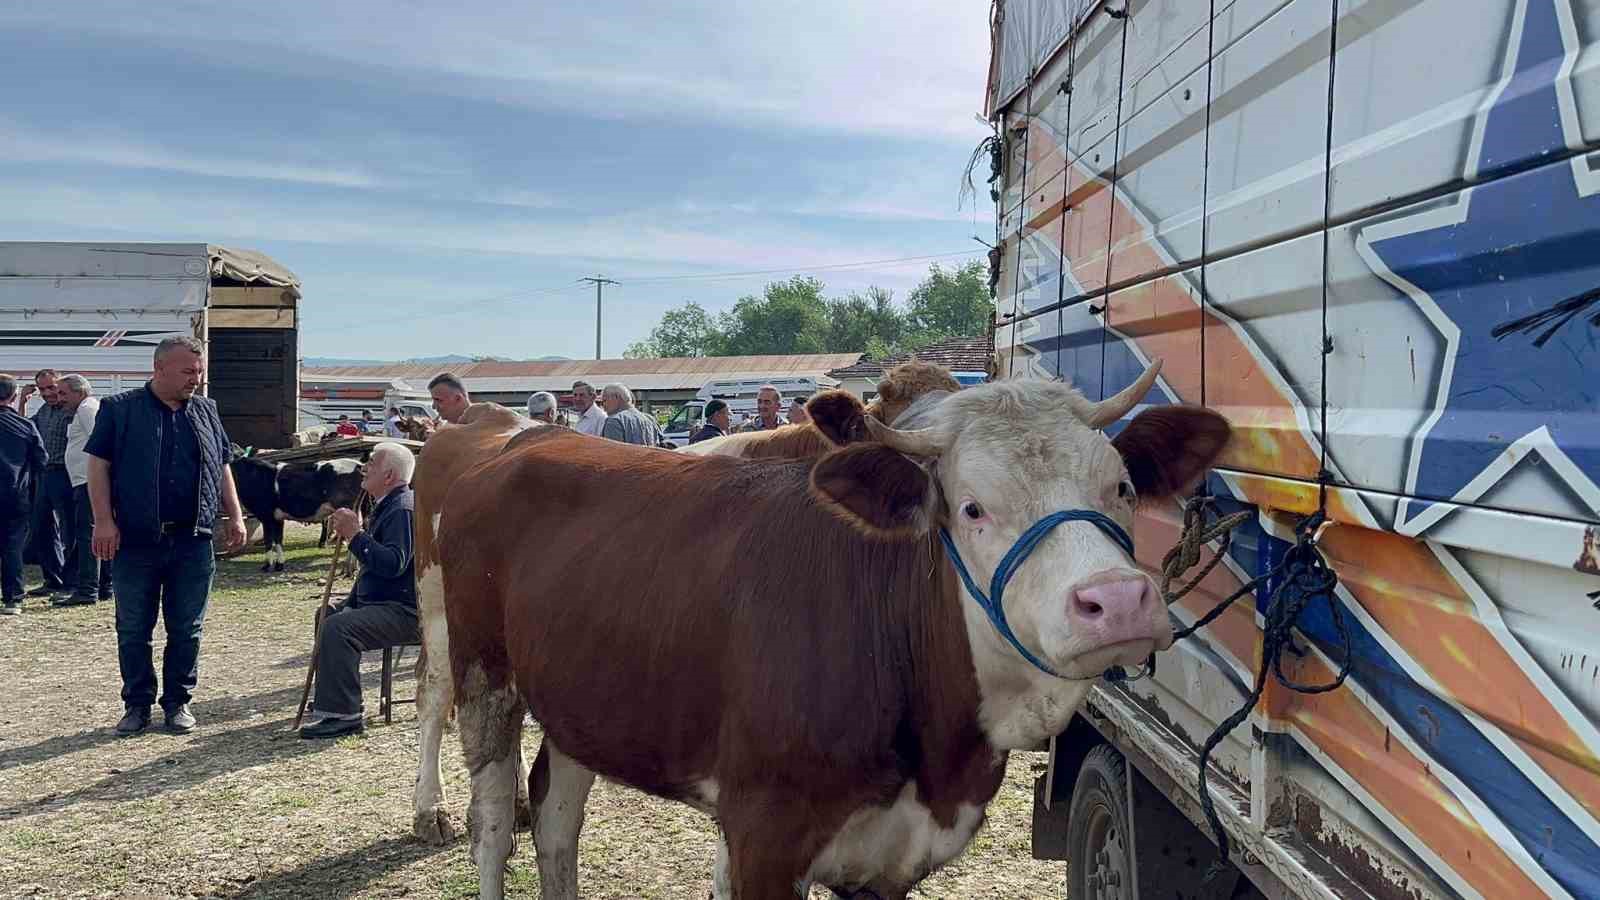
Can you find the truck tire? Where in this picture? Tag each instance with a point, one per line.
(1099, 852)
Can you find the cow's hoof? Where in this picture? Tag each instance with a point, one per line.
(277, 567)
(266, 567)
(433, 826)
(524, 813)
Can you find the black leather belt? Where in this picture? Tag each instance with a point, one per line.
(177, 528)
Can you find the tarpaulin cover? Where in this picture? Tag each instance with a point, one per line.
(1030, 32)
(250, 267)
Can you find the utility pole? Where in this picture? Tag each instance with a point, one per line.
(598, 281)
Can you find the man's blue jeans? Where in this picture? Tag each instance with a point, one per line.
(173, 578)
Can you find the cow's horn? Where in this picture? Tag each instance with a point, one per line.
(1113, 408)
(917, 442)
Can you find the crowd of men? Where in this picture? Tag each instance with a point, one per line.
(133, 483)
(611, 413)
(118, 498)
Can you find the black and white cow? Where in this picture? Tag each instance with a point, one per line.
(301, 491)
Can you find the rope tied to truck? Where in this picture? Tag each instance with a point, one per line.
(1300, 578)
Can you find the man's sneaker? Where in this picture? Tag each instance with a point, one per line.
(135, 721)
(180, 720)
(331, 727)
(43, 590)
(73, 599)
(11, 608)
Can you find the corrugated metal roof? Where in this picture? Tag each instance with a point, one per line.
(689, 373)
(955, 354)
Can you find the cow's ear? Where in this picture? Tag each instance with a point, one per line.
(1168, 449)
(878, 489)
(838, 415)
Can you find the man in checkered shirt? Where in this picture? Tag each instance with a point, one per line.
(52, 508)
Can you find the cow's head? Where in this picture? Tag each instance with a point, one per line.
(988, 462)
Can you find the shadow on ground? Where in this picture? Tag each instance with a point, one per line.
(207, 753)
(345, 874)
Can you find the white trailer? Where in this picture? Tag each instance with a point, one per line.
(99, 309)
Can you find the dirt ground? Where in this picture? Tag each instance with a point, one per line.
(243, 808)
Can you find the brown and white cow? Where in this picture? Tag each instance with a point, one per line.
(484, 431)
(827, 691)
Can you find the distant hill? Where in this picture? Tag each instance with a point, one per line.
(450, 359)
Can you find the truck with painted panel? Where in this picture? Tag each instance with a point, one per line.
(1367, 232)
(100, 309)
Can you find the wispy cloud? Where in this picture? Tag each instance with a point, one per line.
(616, 240)
(895, 67)
(18, 147)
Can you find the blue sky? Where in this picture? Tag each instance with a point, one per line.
(440, 175)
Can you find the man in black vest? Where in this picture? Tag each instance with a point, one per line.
(158, 475)
(381, 610)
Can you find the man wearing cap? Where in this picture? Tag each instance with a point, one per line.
(716, 422)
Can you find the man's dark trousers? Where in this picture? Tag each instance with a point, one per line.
(13, 534)
(92, 573)
(53, 526)
(345, 634)
(171, 577)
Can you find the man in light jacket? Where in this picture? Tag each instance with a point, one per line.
(94, 575)
(623, 422)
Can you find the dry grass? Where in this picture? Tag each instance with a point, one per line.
(244, 808)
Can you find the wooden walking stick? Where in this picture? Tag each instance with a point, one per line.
(316, 631)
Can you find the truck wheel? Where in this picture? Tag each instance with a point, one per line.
(1099, 853)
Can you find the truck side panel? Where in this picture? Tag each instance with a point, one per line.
(1419, 330)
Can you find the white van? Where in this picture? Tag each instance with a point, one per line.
(740, 395)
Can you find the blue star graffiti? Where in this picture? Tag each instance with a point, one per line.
(1508, 272)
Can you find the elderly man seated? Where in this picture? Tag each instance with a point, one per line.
(381, 610)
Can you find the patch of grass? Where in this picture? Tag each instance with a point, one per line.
(293, 801)
(25, 839)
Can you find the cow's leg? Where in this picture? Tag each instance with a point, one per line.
(768, 850)
(559, 787)
(272, 534)
(431, 822)
(322, 539)
(490, 712)
(721, 882)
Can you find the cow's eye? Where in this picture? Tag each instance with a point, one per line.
(972, 510)
(1126, 492)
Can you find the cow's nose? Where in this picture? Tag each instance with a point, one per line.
(1116, 606)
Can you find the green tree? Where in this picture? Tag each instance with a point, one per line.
(687, 330)
(858, 322)
(953, 303)
(794, 317)
(789, 317)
